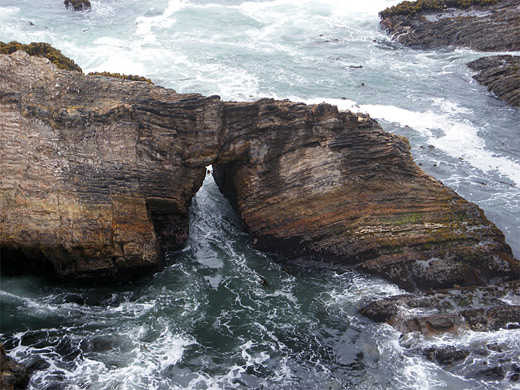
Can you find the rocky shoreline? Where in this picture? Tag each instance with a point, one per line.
(483, 26)
(106, 169)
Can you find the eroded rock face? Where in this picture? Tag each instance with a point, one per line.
(98, 175)
(501, 74)
(485, 28)
(332, 188)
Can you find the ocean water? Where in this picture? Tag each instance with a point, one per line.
(222, 315)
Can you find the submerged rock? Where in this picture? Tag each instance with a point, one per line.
(13, 375)
(475, 308)
(479, 25)
(78, 5)
(98, 175)
(501, 74)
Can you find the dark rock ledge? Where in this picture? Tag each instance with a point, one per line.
(484, 25)
(78, 5)
(501, 74)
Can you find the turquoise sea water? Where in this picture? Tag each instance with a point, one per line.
(223, 315)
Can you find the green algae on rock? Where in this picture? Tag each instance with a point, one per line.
(41, 49)
(122, 76)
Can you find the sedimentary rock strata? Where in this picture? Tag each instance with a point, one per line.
(332, 188)
(501, 74)
(98, 175)
(494, 27)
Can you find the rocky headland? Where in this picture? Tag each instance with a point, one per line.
(483, 25)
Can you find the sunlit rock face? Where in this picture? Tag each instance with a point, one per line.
(98, 176)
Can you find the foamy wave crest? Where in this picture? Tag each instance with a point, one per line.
(460, 138)
(145, 24)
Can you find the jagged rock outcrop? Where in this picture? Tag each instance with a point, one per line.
(501, 74)
(98, 175)
(13, 375)
(493, 27)
(457, 310)
(477, 308)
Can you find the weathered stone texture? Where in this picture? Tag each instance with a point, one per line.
(332, 188)
(88, 163)
(13, 375)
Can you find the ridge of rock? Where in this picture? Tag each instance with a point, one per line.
(98, 175)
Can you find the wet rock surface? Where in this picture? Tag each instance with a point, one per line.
(488, 308)
(501, 75)
(493, 27)
(445, 319)
(13, 375)
(99, 174)
(78, 5)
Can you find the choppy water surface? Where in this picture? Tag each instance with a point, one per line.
(223, 315)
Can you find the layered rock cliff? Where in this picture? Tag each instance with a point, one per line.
(98, 175)
(332, 188)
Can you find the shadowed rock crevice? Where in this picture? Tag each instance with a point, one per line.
(99, 173)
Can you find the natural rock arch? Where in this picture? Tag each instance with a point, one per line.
(98, 175)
